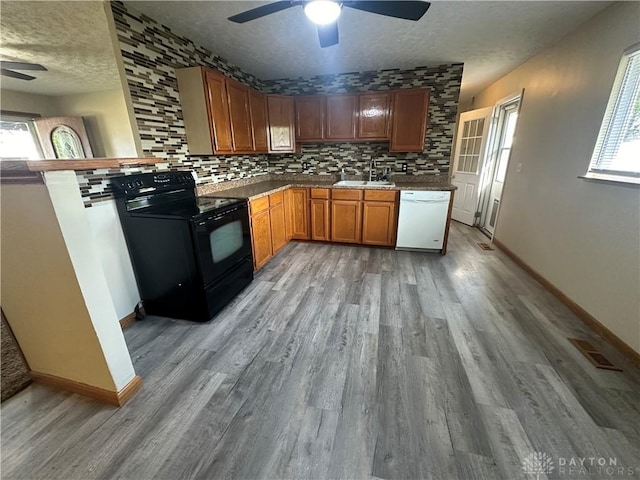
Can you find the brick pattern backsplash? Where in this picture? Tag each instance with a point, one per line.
(444, 84)
(151, 52)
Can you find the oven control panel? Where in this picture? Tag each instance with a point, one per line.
(142, 183)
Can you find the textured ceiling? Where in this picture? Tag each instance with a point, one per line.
(490, 38)
(71, 39)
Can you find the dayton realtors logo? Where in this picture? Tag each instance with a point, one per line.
(537, 463)
(540, 463)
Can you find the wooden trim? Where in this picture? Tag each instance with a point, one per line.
(89, 164)
(129, 390)
(588, 319)
(127, 321)
(117, 399)
(446, 228)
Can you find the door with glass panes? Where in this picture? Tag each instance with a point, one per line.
(471, 142)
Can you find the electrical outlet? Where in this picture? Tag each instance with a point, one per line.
(518, 167)
(404, 167)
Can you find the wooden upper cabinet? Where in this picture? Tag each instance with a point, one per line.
(341, 117)
(281, 113)
(259, 125)
(374, 111)
(310, 117)
(240, 115)
(409, 122)
(221, 116)
(218, 107)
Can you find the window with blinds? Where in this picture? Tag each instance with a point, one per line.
(617, 151)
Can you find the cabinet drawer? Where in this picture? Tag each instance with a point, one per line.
(320, 193)
(259, 204)
(340, 194)
(276, 199)
(381, 195)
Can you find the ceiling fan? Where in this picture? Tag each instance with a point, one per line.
(7, 69)
(325, 13)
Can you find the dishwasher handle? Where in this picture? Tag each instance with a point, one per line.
(404, 200)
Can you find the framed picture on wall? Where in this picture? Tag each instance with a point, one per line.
(63, 138)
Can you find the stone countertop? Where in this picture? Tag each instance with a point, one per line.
(267, 187)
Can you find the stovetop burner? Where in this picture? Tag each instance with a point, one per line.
(194, 208)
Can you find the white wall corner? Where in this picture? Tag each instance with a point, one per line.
(64, 192)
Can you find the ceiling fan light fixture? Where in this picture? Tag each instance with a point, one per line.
(322, 12)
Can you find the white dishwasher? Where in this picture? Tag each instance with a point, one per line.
(422, 219)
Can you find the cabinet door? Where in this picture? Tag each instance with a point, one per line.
(288, 213)
(300, 213)
(278, 234)
(240, 117)
(341, 117)
(261, 238)
(379, 223)
(282, 134)
(374, 113)
(409, 122)
(319, 219)
(310, 118)
(258, 108)
(219, 112)
(346, 221)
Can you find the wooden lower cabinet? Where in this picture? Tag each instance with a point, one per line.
(379, 223)
(319, 214)
(261, 238)
(300, 214)
(346, 221)
(319, 219)
(278, 232)
(379, 217)
(367, 217)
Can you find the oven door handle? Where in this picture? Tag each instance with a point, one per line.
(219, 216)
(213, 219)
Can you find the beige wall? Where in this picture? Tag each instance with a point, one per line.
(27, 103)
(106, 119)
(40, 293)
(582, 236)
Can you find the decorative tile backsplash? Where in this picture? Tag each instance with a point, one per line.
(444, 83)
(151, 52)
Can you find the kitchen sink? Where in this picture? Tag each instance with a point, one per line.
(380, 183)
(350, 183)
(363, 183)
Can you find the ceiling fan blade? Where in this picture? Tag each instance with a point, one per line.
(261, 11)
(21, 65)
(413, 10)
(12, 74)
(328, 34)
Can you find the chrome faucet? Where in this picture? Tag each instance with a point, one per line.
(374, 175)
(372, 167)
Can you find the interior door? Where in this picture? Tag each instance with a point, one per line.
(507, 128)
(471, 143)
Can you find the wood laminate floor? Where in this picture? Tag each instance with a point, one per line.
(350, 362)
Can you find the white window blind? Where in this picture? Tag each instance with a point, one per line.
(617, 151)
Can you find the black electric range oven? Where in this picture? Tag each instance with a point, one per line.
(191, 255)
